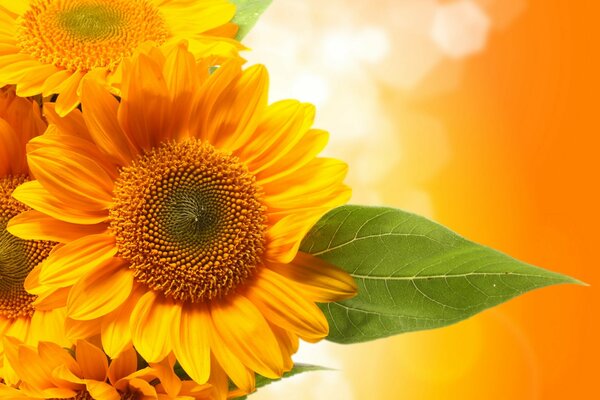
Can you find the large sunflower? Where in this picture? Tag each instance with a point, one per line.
(49, 46)
(188, 201)
(22, 315)
(48, 371)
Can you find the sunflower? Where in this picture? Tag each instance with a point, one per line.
(187, 202)
(49, 46)
(48, 371)
(22, 315)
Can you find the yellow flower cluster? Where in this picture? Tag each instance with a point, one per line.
(152, 204)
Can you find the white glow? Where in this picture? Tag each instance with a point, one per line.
(372, 44)
(310, 87)
(460, 29)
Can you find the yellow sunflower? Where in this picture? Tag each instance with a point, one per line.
(22, 315)
(189, 200)
(48, 371)
(49, 46)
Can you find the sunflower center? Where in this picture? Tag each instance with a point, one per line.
(130, 396)
(17, 256)
(189, 219)
(82, 395)
(85, 34)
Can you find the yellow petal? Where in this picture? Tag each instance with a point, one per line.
(244, 330)
(317, 279)
(282, 305)
(151, 324)
(224, 363)
(116, 335)
(48, 326)
(191, 341)
(81, 329)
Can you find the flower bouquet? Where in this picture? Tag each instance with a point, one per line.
(168, 233)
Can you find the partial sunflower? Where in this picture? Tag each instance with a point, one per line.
(206, 193)
(22, 315)
(49, 46)
(48, 371)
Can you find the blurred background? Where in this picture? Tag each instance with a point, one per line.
(480, 114)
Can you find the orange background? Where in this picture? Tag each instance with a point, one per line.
(520, 170)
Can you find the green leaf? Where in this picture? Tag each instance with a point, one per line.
(298, 369)
(412, 274)
(247, 13)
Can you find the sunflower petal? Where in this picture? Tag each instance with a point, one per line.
(244, 330)
(191, 341)
(157, 315)
(69, 263)
(282, 305)
(39, 226)
(92, 361)
(100, 292)
(317, 279)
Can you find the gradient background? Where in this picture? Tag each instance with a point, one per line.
(483, 115)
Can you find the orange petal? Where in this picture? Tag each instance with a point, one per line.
(54, 355)
(72, 177)
(34, 195)
(311, 144)
(144, 388)
(48, 299)
(71, 262)
(33, 81)
(282, 127)
(91, 360)
(12, 161)
(29, 366)
(36, 225)
(101, 119)
(100, 292)
(169, 380)
(236, 114)
(68, 98)
(71, 124)
(123, 365)
(143, 112)
(102, 390)
(208, 97)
